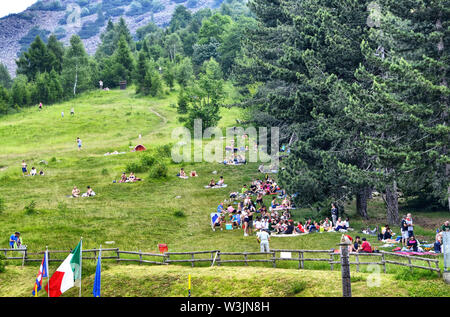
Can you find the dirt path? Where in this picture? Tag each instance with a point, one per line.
(159, 115)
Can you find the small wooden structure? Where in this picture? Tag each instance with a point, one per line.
(123, 84)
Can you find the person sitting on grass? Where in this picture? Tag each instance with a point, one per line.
(244, 190)
(123, 178)
(290, 227)
(235, 220)
(300, 228)
(194, 174)
(75, 192)
(387, 234)
(182, 173)
(41, 173)
(231, 209)
(220, 208)
(365, 247)
(219, 222)
(221, 181)
(340, 225)
(355, 247)
(33, 171)
(132, 178)
(412, 244)
(90, 192)
(212, 183)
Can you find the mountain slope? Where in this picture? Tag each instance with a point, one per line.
(84, 17)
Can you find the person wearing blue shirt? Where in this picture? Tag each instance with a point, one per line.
(14, 240)
(220, 208)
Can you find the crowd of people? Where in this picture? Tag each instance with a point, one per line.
(251, 214)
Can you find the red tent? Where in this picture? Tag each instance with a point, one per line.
(140, 148)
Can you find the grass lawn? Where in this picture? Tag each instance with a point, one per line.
(138, 216)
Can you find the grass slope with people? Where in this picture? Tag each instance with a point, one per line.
(140, 215)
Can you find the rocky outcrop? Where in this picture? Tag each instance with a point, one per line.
(16, 26)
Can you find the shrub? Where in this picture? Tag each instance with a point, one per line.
(30, 209)
(105, 171)
(158, 171)
(53, 159)
(164, 150)
(148, 160)
(135, 167)
(179, 214)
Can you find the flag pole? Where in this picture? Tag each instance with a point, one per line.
(81, 262)
(48, 273)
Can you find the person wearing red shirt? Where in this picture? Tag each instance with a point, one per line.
(365, 246)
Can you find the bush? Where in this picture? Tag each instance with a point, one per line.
(134, 167)
(105, 171)
(179, 214)
(148, 161)
(158, 171)
(164, 150)
(30, 209)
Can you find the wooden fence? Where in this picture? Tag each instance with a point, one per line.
(216, 257)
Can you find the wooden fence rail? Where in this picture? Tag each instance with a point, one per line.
(216, 257)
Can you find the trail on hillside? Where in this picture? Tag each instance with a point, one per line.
(159, 115)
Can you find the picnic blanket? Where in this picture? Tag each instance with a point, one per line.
(183, 177)
(416, 253)
(288, 235)
(217, 186)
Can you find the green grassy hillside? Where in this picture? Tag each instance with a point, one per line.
(138, 216)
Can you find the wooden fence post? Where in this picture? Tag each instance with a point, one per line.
(331, 261)
(410, 263)
(345, 271)
(140, 257)
(192, 259)
(383, 260)
(303, 262)
(245, 257)
(357, 262)
(274, 259)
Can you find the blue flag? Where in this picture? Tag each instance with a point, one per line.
(98, 276)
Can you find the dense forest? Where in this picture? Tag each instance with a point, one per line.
(359, 89)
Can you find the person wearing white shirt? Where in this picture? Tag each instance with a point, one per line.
(263, 238)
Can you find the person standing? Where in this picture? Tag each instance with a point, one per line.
(40, 106)
(79, 144)
(62, 114)
(409, 221)
(100, 84)
(334, 214)
(72, 111)
(404, 229)
(263, 238)
(24, 168)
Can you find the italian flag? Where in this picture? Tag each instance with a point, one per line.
(67, 275)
